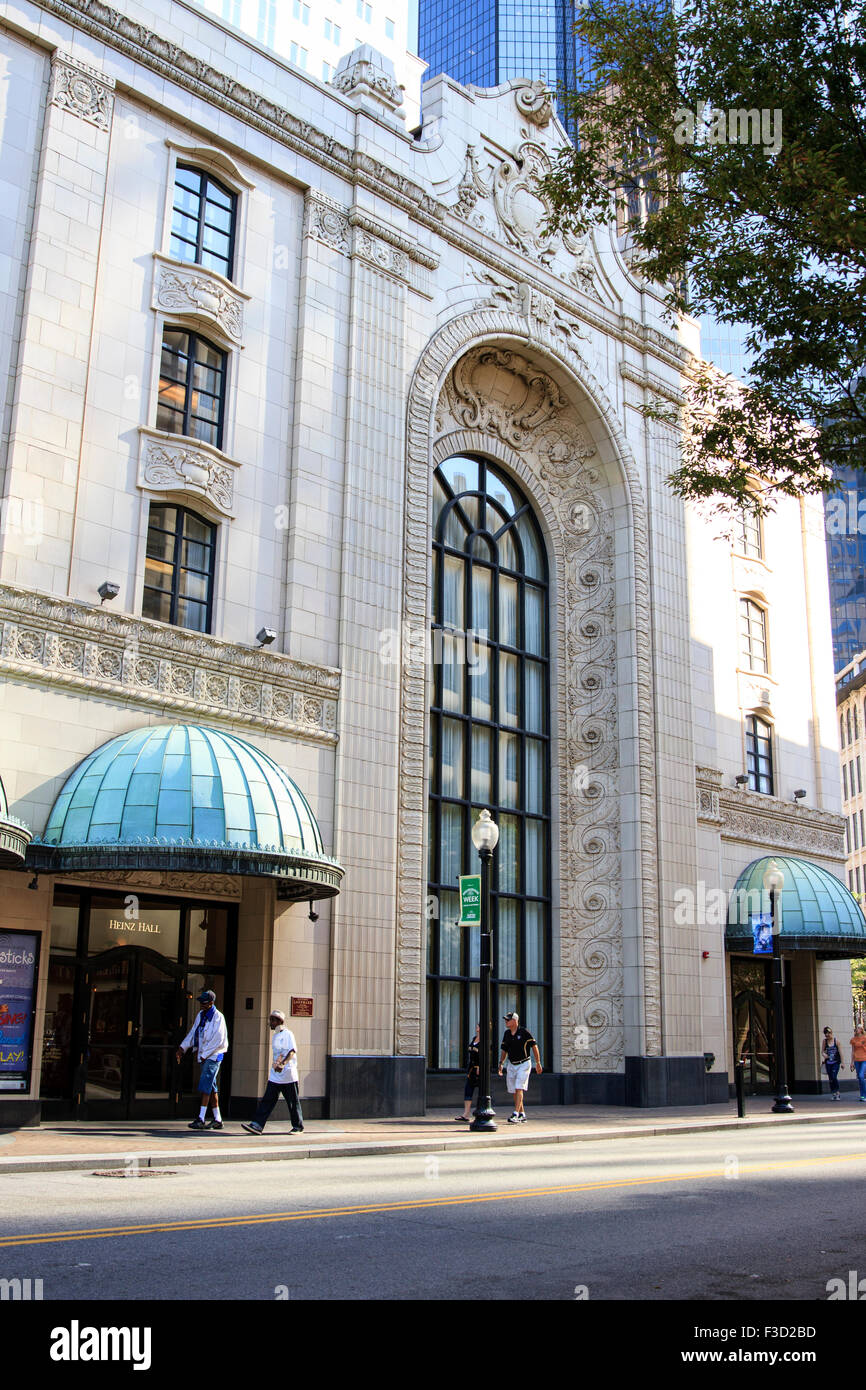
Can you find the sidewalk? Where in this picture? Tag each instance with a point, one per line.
(129, 1145)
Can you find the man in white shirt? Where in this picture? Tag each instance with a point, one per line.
(210, 1038)
(282, 1077)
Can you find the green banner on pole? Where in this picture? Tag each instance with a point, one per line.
(470, 900)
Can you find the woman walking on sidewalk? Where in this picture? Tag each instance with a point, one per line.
(831, 1058)
(858, 1058)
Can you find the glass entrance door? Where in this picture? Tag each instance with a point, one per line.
(753, 1022)
(137, 1009)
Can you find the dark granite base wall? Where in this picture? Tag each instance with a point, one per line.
(18, 1114)
(648, 1082)
(652, 1082)
(369, 1087)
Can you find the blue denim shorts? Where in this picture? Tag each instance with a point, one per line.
(207, 1080)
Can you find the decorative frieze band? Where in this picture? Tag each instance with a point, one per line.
(767, 821)
(404, 244)
(82, 90)
(190, 289)
(193, 885)
(170, 463)
(72, 644)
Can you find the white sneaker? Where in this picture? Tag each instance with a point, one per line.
(514, 1119)
(521, 1118)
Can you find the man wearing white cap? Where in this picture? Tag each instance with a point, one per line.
(282, 1077)
(517, 1043)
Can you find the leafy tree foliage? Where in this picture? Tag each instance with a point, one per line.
(736, 130)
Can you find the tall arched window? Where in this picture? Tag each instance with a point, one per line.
(489, 747)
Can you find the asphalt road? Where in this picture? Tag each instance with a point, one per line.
(708, 1217)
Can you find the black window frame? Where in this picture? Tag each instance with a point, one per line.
(508, 991)
(754, 738)
(207, 180)
(189, 388)
(177, 568)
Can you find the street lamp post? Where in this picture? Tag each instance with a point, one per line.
(774, 882)
(485, 837)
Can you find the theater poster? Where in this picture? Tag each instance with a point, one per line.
(19, 958)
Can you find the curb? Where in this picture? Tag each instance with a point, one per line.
(464, 1143)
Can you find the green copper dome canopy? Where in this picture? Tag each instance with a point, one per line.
(182, 796)
(14, 835)
(816, 911)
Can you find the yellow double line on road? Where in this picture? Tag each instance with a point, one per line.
(371, 1208)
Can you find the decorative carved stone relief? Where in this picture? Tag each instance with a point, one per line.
(497, 390)
(519, 206)
(327, 222)
(191, 290)
(170, 464)
(535, 104)
(82, 90)
(537, 307)
(379, 253)
(365, 73)
(199, 885)
(77, 646)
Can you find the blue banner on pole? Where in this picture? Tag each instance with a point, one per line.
(762, 933)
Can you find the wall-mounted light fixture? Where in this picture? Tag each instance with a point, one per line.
(798, 796)
(108, 590)
(742, 779)
(265, 636)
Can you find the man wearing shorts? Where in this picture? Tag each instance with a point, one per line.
(516, 1045)
(210, 1038)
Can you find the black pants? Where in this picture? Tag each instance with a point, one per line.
(289, 1089)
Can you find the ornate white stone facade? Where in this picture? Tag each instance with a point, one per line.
(393, 301)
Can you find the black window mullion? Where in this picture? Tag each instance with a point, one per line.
(175, 565)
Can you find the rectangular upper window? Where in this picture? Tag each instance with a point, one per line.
(192, 381)
(753, 635)
(203, 221)
(389, 28)
(759, 755)
(179, 568)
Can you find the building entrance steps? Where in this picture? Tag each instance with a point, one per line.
(133, 1146)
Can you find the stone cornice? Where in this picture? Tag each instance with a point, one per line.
(649, 382)
(767, 821)
(140, 44)
(65, 642)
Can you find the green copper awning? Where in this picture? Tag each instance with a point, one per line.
(816, 912)
(183, 796)
(14, 835)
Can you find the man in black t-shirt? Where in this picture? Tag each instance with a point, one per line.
(517, 1043)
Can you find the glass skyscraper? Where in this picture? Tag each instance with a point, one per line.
(845, 514)
(485, 42)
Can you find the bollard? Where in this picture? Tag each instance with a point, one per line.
(739, 1073)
